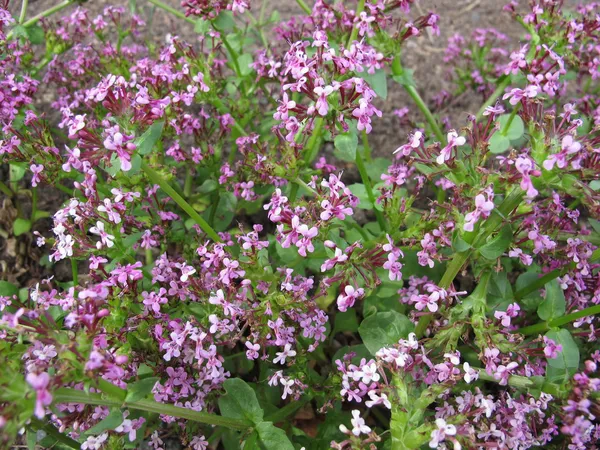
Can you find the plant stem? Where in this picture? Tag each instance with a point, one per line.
(51, 431)
(305, 186)
(181, 15)
(541, 282)
(360, 8)
(46, 13)
(304, 6)
(5, 189)
(520, 382)
(504, 81)
(458, 261)
(164, 185)
(23, 11)
(360, 164)
(559, 321)
(172, 10)
(74, 271)
(510, 119)
(288, 410)
(68, 395)
(397, 70)
(312, 146)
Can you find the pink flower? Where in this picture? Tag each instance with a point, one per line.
(287, 352)
(346, 300)
(443, 429)
(551, 348)
(483, 208)
(36, 170)
(454, 140)
(43, 398)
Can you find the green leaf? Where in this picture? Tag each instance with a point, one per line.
(360, 191)
(273, 438)
(383, 329)
(21, 226)
(346, 144)
(516, 128)
(377, 81)
(150, 137)
(554, 305)
(201, 26)
(376, 167)
(244, 61)
(8, 289)
(458, 244)
(405, 78)
(35, 34)
(17, 171)
(346, 321)
(498, 245)
(240, 402)
(566, 362)
(499, 143)
(110, 422)
(140, 389)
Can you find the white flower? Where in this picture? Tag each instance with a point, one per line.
(358, 424)
(281, 356)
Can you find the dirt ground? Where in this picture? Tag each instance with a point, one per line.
(19, 257)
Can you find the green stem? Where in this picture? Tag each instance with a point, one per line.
(312, 146)
(34, 202)
(397, 70)
(360, 164)
(187, 185)
(181, 15)
(51, 431)
(74, 271)
(5, 189)
(520, 382)
(541, 282)
(510, 119)
(304, 7)
(288, 409)
(68, 395)
(46, 13)
(559, 321)
(504, 82)
(305, 186)
(294, 192)
(164, 185)
(353, 35)
(23, 11)
(174, 11)
(459, 259)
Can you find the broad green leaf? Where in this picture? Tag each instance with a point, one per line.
(459, 244)
(273, 438)
(499, 143)
(405, 78)
(240, 402)
(140, 389)
(346, 144)
(21, 226)
(554, 305)
(150, 137)
(17, 171)
(346, 321)
(561, 368)
(494, 248)
(35, 34)
(8, 289)
(377, 303)
(376, 167)
(377, 81)
(515, 129)
(383, 329)
(244, 61)
(110, 422)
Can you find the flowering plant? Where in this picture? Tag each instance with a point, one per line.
(230, 286)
